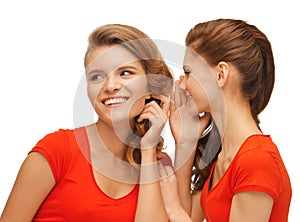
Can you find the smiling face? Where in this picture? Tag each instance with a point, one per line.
(117, 85)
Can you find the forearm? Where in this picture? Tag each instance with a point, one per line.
(179, 215)
(183, 170)
(150, 203)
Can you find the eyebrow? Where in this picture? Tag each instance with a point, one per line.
(118, 69)
(126, 67)
(95, 71)
(185, 67)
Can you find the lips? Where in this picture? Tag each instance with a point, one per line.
(114, 101)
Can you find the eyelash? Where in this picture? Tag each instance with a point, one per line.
(95, 77)
(122, 73)
(186, 73)
(102, 76)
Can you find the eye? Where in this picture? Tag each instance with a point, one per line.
(187, 73)
(97, 77)
(126, 73)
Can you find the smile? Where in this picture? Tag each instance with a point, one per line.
(114, 101)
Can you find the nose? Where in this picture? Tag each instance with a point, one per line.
(182, 81)
(112, 83)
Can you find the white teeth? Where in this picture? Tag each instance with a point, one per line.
(114, 101)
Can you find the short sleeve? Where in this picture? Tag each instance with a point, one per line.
(166, 160)
(55, 147)
(257, 170)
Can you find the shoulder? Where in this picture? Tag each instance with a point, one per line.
(165, 159)
(54, 144)
(58, 148)
(257, 166)
(57, 136)
(257, 150)
(258, 141)
(61, 138)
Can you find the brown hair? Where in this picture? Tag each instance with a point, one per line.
(244, 46)
(148, 54)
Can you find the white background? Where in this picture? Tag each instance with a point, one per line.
(42, 45)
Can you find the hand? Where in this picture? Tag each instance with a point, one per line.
(158, 117)
(169, 189)
(186, 125)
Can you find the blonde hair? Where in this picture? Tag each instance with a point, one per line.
(148, 54)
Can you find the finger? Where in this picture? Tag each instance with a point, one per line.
(145, 115)
(183, 96)
(181, 77)
(153, 105)
(161, 170)
(169, 170)
(172, 108)
(158, 119)
(153, 108)
(180, 94)
(177, 97)
(204, 120)
(166, 108)
(205, 126)
(156, 110)
(165, 101)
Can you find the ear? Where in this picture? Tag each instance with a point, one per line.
(222, 73)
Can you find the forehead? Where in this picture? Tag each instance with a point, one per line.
(197, 65)
(193, 57)
(110, 58)
(202, 73)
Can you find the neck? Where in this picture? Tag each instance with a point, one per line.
(112, 139)
(238, 127)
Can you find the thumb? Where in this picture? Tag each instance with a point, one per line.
(172, 108)
(204, 122)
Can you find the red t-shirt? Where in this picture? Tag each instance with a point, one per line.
(256, 167)
(76, 195)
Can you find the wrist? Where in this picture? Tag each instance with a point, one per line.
(148, 156)
(176, 213)
(149, 173)
(186, 145)
(184, 157)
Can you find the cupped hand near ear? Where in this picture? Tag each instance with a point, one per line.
(186, 124)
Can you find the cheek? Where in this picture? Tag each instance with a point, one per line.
(199, 97)
(139, 93)
(93, 92)
(138, 86)
(138, 90)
